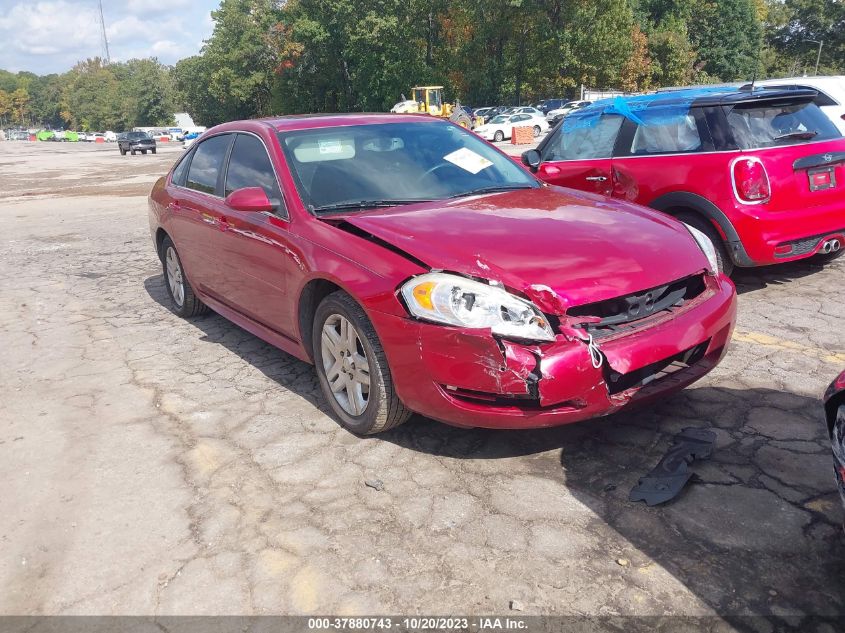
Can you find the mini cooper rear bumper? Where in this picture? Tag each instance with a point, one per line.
(470, 378)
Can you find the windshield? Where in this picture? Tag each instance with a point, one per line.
(394, 163)
(499, 119)
(768, 124)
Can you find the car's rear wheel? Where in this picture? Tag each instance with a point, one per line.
(726, 264)
(499, 136)
(132, 151)
(537, 131)
(352, 368)
(153, 151)
(183, 300)
(122, 151)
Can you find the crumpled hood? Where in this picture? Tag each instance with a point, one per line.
(560, 247)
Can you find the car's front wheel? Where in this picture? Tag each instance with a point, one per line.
(183, 300)
(499, 136)
(352, 368)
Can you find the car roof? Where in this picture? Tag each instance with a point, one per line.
(705, 96)
(310, 121)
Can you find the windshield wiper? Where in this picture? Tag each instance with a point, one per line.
(807, 134)
(364, 204)
(496, 189)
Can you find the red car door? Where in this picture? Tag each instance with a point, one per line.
(579, 156)
(196, 207)
(260, 253)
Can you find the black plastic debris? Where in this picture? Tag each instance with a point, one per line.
(669, 477)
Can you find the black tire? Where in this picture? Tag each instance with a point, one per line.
(132, 151)
(499, 136)
(383, 409)
(726, 264)
(122, 151)
(537, 131)
(190, 305)
(153, 151)
(462, 119)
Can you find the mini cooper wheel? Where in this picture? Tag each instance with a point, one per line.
(726, 264)
(352, 368)
(499, 136)
(183, 300)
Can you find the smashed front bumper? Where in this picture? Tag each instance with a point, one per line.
(470, 378)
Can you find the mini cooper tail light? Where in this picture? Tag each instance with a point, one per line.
(750, 180)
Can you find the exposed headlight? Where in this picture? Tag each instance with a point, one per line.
(454, 300)
(706, 247)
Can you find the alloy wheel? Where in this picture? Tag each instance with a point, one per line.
(346, 365)
(174, 277)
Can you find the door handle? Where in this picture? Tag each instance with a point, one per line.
(596, 178)
(174, 205)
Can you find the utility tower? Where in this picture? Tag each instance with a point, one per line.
(103, 33)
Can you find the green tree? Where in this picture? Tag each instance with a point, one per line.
(20, 106)
(92, 99)
(146, 92)
(727, 36)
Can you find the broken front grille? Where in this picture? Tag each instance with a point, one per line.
(617, 382)
(636, 310)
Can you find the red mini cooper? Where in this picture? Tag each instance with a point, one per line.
(422, 270)
(761, 172)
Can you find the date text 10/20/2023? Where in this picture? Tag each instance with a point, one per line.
(420, 623)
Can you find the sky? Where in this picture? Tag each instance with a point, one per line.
(50, 36)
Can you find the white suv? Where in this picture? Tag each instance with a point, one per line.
(831, 91)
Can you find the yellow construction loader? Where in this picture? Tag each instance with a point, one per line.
(430, 99)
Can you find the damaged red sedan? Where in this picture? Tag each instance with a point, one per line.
(422, 270)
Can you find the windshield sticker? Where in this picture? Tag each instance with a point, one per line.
(332, 146)
(468, 160)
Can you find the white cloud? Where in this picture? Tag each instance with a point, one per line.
(52, 35)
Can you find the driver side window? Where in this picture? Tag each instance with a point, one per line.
(585, 140)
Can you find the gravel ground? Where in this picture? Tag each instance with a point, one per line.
(153, 465)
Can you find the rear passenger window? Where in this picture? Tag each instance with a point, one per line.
(207, 163)
(665, 131)
(587, 139)
(181, 170)
(250, 166)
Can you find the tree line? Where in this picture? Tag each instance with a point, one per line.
(269, 57)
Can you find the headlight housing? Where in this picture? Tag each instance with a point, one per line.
(706, 247)
(455, 300)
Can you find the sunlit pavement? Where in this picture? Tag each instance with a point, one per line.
(155, 465)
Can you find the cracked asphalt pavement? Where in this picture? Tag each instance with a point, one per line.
(153, 465)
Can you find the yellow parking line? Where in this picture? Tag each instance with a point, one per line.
(773, 342)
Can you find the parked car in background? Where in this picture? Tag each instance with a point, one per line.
(830, 98)
(133, 142)
(524, 110)
(17, 135)
(111, 137)
(760, 172)
(553, 116)
(834, 407)
(482, 112)
(189, 139)
(550, 104)
(501, 127)
(328, 236)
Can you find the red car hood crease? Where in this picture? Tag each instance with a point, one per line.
(559, 248)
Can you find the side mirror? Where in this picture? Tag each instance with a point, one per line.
(249, 199)
(531, 159)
